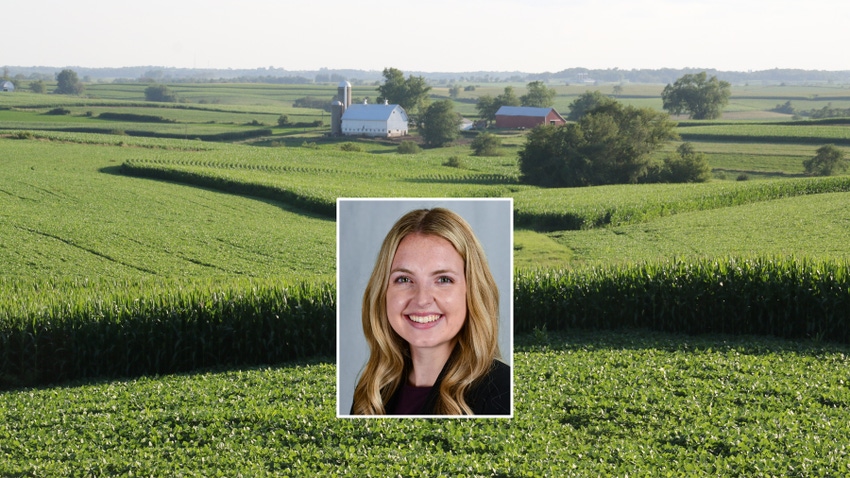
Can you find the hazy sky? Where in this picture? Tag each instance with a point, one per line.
(429, 35)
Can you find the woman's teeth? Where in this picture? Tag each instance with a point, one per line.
(424, 319)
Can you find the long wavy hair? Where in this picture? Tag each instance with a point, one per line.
(477, 342)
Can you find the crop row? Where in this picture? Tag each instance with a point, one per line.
(769, 133)
(186, 329)
(167, 332)
(585, 208)
(780, 297)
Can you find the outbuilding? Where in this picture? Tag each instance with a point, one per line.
(7, 86)
(374, 120)
(512, 117)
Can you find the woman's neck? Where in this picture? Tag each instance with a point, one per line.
(427, 365)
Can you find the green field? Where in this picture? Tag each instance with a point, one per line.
(129, 218)
(599, 404)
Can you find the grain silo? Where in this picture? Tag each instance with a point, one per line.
(339, 106)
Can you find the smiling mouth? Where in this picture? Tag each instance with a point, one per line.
(424, 319)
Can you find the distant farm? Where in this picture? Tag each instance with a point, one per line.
(170, 267)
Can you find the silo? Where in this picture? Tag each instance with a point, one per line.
(344, 94)
(337, 109)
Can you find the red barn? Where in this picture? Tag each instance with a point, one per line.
(526, 117)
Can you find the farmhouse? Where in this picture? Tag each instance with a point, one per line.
(526, 117)
(7, 86)
(384, 120)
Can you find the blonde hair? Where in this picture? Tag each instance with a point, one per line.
(477, 341)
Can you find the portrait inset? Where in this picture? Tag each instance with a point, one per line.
(425, 307)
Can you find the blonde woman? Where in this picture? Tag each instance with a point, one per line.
(430, 317)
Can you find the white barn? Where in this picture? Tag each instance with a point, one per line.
(7, 86)
(364, 119)
(374, 120)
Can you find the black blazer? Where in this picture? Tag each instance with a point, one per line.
(490, 396)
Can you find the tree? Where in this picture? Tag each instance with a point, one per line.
(68, 83)
(487, 105)
(538, 95)
(440, 124)
(37, 86)
(486, 144)
(508, 98)
(687, 165)
(160, 93)
(696, 95)
(611, 144)
(827, 161)
(411, 94)
(588, 101)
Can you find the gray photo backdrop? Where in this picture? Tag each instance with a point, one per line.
(362, 225)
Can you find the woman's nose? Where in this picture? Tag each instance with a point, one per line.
(423, 295)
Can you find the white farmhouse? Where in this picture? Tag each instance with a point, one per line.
(364, 119)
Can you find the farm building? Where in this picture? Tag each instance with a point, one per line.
(526, 117)
(7, 86)
(364, 119)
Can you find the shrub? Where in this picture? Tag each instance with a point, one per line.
(283, 120)
(351, 147)
(455, 162)
(408, 147)
(743, 177)
(160, 93)
(486, 144)
(827, 161)
(685, 166)
(134, 118)
(59, 111)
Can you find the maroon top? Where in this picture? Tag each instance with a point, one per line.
(410, 400)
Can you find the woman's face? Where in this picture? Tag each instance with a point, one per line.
(426, 294)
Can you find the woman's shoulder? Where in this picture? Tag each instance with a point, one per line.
(492, 395)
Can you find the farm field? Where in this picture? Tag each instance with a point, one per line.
(587, 404)
(106, 218)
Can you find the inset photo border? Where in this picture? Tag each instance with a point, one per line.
(362, 225)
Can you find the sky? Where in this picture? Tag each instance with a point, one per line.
(530, 36)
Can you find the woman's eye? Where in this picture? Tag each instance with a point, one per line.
(445, 280)
(402, 279)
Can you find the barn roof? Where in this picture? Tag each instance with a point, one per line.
(366, 112)
(523, 111)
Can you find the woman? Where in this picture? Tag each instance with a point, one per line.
(430, 316)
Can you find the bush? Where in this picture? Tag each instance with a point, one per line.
(134, 118)
(685, 166)
(58, 112)
(283, 120)
(486, 144)
(827, 161)
(38, 86)
(160, 93)
(408, 147)
(351, 147)
(455, 162)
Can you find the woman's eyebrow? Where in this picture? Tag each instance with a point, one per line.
(434, 273)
